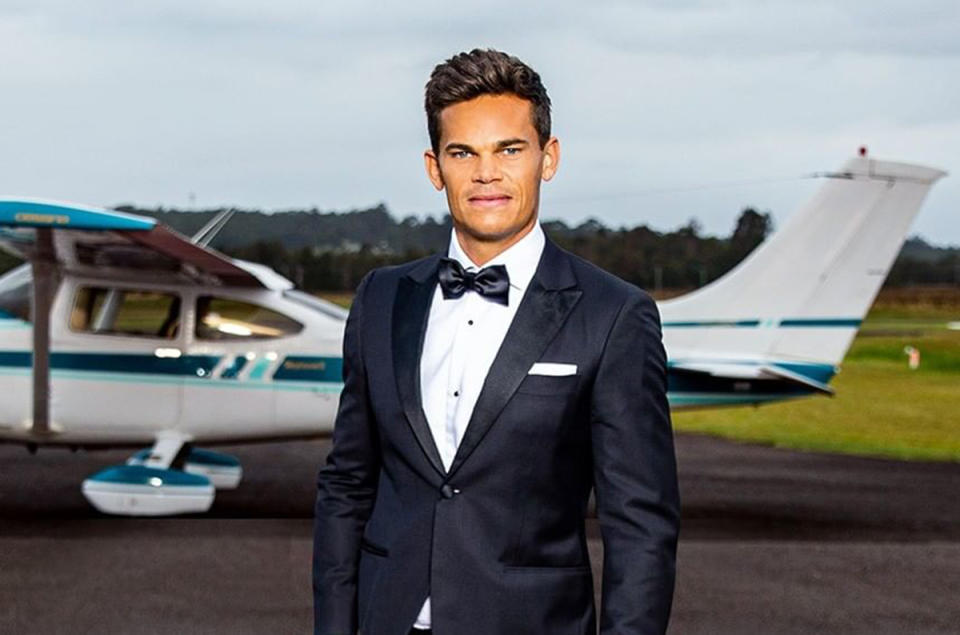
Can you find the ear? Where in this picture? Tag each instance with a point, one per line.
(432, 165)
(551, 159)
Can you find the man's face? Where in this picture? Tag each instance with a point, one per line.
(490, 163)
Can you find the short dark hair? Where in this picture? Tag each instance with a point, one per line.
(484, 72)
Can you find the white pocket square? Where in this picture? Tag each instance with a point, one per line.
(552, 369)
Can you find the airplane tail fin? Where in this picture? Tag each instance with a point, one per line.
(802, 294)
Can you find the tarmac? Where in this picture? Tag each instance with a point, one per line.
(772, 541)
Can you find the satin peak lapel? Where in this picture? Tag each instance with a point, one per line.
(551, 296)
(411, 308)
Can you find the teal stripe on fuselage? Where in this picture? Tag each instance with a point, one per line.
(194, 365)
(259, 369)
(323, 374)
(15, 359)
(841, 322)
(133, 363)
(179, 380)
(305, 368)
(753, 323)
(713, 323)
(17, 363)
(234, 369)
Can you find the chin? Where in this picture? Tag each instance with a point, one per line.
(497, 233)
(487, 226)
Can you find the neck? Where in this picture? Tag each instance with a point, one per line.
(481, 252)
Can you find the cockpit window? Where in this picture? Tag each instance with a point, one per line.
(317, 304)
(16, 294)
(133, 312)
(227, 319)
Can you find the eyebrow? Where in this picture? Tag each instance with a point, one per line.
(450, 147)
(511, 142)
(454, 147)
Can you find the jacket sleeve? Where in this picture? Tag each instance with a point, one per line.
(346, 487)
(635, 474)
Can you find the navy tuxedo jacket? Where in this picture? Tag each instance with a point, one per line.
(498, 541)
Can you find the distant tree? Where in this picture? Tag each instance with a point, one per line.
(751, 229)
(692, 228)
(922, 270)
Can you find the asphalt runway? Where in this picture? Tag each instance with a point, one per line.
(773, 541)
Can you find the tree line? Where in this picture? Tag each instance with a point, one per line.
(650, 259)
(329, 251)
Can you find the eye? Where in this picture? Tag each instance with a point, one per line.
(512, 151)
(460, 154)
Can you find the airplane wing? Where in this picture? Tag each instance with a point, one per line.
(87, 237)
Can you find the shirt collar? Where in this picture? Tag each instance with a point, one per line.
(520, 259)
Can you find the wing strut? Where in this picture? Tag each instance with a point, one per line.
(45, 284)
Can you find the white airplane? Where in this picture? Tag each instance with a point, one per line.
(120, 332)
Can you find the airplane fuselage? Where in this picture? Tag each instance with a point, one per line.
(174, 357)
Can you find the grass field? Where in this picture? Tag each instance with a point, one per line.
(881, 407)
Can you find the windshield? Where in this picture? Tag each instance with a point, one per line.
(323, 306)
(16, 293)
(230, 319)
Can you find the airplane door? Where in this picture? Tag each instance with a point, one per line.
(117, 363)
(233, 401)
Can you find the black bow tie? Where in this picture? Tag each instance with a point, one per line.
(491, 282)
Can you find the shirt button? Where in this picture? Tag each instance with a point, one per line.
(470, 322)
(456, 393)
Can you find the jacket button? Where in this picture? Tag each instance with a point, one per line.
(446, 491)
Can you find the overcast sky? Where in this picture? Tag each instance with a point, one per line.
(294, 104)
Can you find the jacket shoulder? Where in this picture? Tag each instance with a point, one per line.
(382, 278)
(379, 286)
(602, 283)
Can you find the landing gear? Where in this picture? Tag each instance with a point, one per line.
(223, 470)
(137, 490)
(170, 478)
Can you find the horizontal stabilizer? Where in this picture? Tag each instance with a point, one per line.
(779, 372)
(740, 371)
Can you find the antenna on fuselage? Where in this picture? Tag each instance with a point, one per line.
(211, 229)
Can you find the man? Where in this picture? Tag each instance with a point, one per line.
(484, 395)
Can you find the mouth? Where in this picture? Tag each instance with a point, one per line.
(489, 200)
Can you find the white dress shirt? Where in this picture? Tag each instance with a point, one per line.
(462, 339)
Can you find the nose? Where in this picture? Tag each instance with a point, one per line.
(487, 169)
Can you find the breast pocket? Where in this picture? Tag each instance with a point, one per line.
(548, 384)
